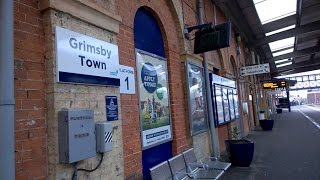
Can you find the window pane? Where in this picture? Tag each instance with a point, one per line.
(271, 10)
(280, 44)
(312, 77)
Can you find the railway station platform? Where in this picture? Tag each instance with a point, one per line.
(290, 151)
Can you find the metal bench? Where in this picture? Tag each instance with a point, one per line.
(181, 171)
(209, 163)
(161, 171)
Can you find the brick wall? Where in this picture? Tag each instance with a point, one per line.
(220, 59)
(131, 127)
(223, 135)
(29, 79)
(79, 96)
(35, 88)
(130, 112)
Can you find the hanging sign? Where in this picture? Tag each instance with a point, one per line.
(127, 81)
(256, 69)
(83, 59)
(153, 99)
(274, 85)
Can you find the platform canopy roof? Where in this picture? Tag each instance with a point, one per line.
(284, 33)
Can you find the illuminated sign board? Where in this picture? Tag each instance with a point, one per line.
(273, 85)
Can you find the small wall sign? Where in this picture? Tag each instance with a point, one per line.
(112, 108)
(127, 81)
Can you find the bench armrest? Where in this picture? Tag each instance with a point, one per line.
(190, 175)
(197, 165)
(213, 158)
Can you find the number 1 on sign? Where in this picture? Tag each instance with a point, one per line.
(127, 80)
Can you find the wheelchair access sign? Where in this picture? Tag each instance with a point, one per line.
(112, 108)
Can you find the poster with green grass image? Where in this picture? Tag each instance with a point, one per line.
(153, 99)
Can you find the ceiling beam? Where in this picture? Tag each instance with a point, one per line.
(285, 62)
(289, 33)
(298, 12)
(300, 65)
(298, 20)
(294, 54)
(286, 48)
(298, 70)
(279, 24)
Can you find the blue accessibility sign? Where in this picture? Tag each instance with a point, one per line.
(112, 108)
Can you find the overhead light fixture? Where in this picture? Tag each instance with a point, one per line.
(280, 30)
(282, 52)
(282, 60)
(285, 64)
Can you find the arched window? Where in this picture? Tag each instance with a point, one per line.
(153, 90)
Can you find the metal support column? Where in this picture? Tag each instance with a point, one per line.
(207, 83)
(288, 98)
(7, 167)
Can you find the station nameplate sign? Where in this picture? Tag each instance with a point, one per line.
(83, 59)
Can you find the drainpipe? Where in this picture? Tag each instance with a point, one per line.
(207, 83)
(256, 97)
(6, 91)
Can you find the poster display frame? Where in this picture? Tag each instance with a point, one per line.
(227, 85)
(188, 64)
(144, 147)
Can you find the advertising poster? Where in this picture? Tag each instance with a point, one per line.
(236, 108)
(226, 104)
(197, 103)
(153, 99)
(231, 103)
(219, 104)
